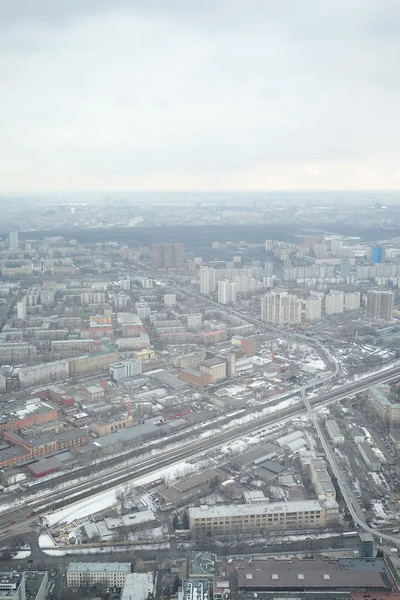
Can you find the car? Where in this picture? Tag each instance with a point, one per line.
(12, 522)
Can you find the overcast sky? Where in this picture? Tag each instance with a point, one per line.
(199, 94)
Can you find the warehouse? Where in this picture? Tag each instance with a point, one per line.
(307, 575)
(45, 467)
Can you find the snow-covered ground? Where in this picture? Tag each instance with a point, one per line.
(46, 541)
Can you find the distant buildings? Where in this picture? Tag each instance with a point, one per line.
(334, 302)
(13, 239)
(380, 304)
(281, 308)
(313, 308)
(226, 292)
(207, 280)
(167, 256)
(377, 254)
(169, 300)
(21, 309)
(352, 301)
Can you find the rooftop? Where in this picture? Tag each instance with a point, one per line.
(98, 567)
(202, 564)
(233, 510)
(137, 586)
(213, 362)
(315, 573)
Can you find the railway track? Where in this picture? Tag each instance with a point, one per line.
(55, 499)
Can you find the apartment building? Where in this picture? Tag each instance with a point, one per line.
(207, 280)
(334, 303)
(334, 431)
(281, 308)
(387, 411)
(247, 518)
(51, 371)
(313, 308)
(352, 301)
(380, 304)
(108, 574)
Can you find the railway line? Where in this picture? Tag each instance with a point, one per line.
(18, 519)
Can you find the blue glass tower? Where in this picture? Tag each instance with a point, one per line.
(377, 254)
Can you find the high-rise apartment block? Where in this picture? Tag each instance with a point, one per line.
(226, 292)
(167, 256)
(313, 308)
(13, 239)
(207, 280)
(352, 301)
(21, 308)
(334, 302)
(281, 308)
(380, 304)
(377, 254)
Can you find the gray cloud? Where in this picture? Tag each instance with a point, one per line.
(148, 94)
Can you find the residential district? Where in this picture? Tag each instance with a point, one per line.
(199, 420)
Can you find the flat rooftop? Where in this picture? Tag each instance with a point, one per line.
(202, 564)
(234, 510)
(299, 574)
(99, 567)
(138, 586)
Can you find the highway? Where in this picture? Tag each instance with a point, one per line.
(53, 499)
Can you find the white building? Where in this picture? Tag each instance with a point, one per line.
(138, 586)
(169, 300)
(281, 308)
(12, 585)
(352, 301)
(207, 280)
(125, 284)
(143, 310)
(194, 321)
(334, 431)
(334, 302)
(226, 292)
(125, 369)
(21, 308)
(89, 574)
(13, 239)
(43, 373)
(313, 308)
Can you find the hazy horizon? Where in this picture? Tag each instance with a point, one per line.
(219, 97)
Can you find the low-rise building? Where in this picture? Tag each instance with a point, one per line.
(83, 574)
(195, 377)
(138, 586)
(110, 425)
(125, 369)
(247, 518)
(369, 456)
(334, 431)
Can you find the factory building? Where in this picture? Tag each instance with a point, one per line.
(246, 518)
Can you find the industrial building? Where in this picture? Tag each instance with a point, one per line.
(334, 432)
(313, 576)
(370, 458)
(84, 574)
(216, 367)
(247, 518)
(111, 425)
